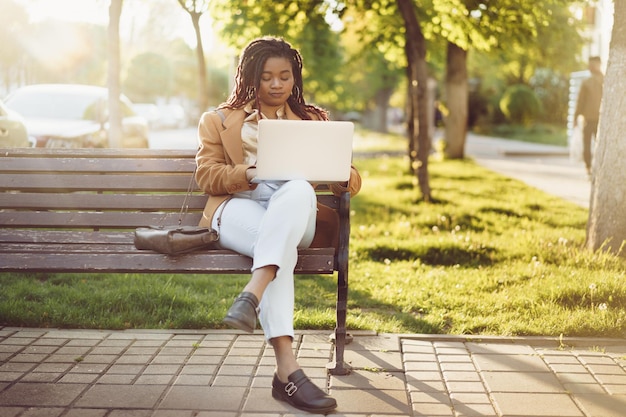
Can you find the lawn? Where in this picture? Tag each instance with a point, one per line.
(492, 256)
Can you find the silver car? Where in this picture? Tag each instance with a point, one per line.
(74, 116)
(12, 129)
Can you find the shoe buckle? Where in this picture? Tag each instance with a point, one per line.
(291, 389)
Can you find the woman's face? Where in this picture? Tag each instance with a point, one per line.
(276, 83)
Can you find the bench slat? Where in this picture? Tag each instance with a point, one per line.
(138, 153)
(93, 201)
(111, 165)
(109, 220)
(104, 182)
(311, 261)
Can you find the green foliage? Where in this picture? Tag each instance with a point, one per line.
(520, 104)
(149, 77)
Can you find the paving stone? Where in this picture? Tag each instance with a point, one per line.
(169, 359)
(426, 386)
(11, 411)
(78, 379)
(584, 389)
(133, 359)
(154, 380)
(474, 410)
(43, 412)
(517, 363)
(533, 404)
(371, 401)
(204, 398)
(41, 377)
(116, 379)
(85, 412)
(522, 382)
(107, 350)
(577, 378)
(432, 410)
(596, 405)
(461, 376)
(500, 348)
(40, 394)
(121, 396)
(463, 386)
(360, 379)
(419, 357)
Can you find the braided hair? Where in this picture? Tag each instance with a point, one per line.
(250, 68)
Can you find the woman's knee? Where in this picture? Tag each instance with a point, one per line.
(298, 189)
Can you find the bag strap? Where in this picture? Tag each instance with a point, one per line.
(185, 207)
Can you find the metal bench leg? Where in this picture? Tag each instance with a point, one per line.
(338, 366)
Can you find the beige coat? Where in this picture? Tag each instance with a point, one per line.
(222, 171)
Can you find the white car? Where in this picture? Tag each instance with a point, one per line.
(12, 129)
(74, 116)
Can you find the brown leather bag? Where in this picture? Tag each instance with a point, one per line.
(175, 240)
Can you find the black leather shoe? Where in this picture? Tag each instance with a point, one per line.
(303, 394)
(242, 314)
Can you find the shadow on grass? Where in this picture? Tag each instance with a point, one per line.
(446, 255)
(311, 288)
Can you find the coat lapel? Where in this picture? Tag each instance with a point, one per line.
(231, 136)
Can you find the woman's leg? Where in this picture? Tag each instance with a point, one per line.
(288, 223)
(271, 236)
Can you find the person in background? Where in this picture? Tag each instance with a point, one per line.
(588, 106)
(271, 220)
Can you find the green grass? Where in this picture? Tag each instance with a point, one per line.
(539, 133)
(492, 256)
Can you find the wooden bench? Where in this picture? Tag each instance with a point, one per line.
(75, 210)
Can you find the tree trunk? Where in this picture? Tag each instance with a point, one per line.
(203, 100)
(606, 228)
(417, 116)
(113, 82)
(457, 101)
(382, 106)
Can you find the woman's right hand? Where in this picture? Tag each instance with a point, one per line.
(251, 173)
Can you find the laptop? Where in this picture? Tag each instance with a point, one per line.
(312, 150)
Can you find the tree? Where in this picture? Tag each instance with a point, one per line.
(196, 9)
(606, 228)
(113, 83)
(13, 23)
(418, 123)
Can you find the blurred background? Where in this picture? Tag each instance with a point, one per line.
(515, 62)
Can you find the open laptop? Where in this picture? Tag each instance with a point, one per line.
(316, 151)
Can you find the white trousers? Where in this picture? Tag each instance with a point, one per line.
(269, 227)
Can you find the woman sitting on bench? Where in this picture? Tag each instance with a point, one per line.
(271, 220)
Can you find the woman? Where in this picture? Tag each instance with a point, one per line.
(268, 221)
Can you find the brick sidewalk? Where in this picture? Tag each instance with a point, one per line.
(90, 373)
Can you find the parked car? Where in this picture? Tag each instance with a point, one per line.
(173, 116)
(12, 129)
(74, 116)
(150, 112)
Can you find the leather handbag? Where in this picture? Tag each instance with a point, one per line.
(175, 240)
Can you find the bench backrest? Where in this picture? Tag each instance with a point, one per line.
(100, 188)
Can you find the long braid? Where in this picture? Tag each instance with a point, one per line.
(250, 68)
